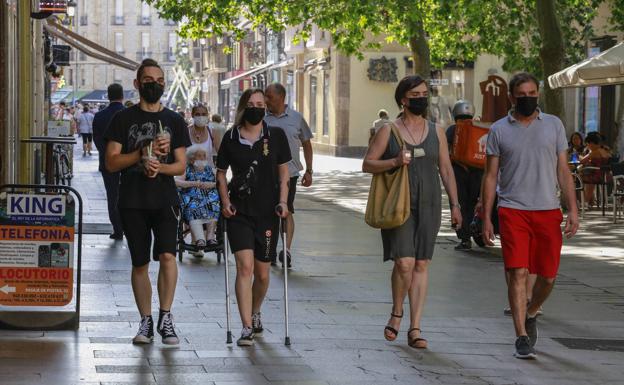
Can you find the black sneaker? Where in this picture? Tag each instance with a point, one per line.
(166, 329)
(524, 350)
(531, 328)
(116, 236)
(246, 338)
(465, 244)
(289, 258)
(256, 325)
(146, 331)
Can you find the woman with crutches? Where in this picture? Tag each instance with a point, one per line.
(252, 203)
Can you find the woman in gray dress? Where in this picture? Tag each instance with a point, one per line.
(411, 245)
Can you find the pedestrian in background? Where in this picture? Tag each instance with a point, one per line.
(258, 156)
(527, 156)
(468, 178)
(111, 179)
(217, 128)
(85, 125)
(411, 245)
(199, 131)
(378, 123)
(298, 133)
(147, 144)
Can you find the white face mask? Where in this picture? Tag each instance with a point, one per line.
(200, 164)
(200, 121)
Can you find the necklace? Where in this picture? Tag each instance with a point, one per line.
(409, 132)
(198, 135)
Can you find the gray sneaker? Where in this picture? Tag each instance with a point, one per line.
(531, 328)
(256, 325)
(524, 350)
(246, 338)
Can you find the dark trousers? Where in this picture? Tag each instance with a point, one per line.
(111, 184)
(468, 189)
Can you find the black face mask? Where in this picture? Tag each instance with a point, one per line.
(418, 106)
(526, 105)
(151, 92)
(253, 115)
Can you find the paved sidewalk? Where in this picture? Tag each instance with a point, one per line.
(340, 301)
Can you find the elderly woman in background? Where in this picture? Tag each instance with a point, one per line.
(411, 245)
(200, 199)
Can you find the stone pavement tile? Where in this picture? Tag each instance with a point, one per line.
(216, 363)
(287, 373)
(297, 382)
(269, 351)
(146, 353)
(149, 369)
(202, 378)
(19, 378)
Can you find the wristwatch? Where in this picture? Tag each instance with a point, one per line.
(309, 171)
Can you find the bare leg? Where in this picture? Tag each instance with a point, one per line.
(244, 275)
(588, 190)
(142, 289)
(518, 298)
(530, 284)
(542, 289)
(418, 294)
(290, 230)
(260, 284)
(401, 282)
(211, 230)
(167, 280)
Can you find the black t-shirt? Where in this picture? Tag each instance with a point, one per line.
(270, 151)
(134, 128)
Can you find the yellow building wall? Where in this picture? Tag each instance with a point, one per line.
(369, 96)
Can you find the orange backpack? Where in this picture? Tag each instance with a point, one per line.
(469, 144)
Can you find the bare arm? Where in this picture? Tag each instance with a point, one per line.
(307, 153)
(181, 181)
(284, 178)
(489, 186)
(448, 177)
(223, 189)
(116, 161)
(179, 164)
(372, 160)
(564, 177)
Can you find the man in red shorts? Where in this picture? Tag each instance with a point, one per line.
(529, 149)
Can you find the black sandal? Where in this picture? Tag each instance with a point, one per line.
(416, 343)
(391, 329)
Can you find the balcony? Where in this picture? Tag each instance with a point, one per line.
(169, 57)
(141, 55)
(117, 20)
(144, 20)
(171, 23)
(84, 20)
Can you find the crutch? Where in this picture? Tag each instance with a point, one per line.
(226, 246)
(282, 230)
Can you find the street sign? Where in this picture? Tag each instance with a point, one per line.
(58, 128)
(36, 249)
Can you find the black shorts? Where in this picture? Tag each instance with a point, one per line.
(87, 138)
(292, 190)
(138, 226)
(259, 234)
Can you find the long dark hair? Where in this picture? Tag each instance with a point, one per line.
(580, 136)
(242, 104)
(406, 84)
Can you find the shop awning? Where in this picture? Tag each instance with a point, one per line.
(260, 68)
(64, 95)
(89, 47)
(101, 96)
(603, 69)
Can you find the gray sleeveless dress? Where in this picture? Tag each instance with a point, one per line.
(416, 237)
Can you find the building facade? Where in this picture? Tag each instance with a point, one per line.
(130, 28)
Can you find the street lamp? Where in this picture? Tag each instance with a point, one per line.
(71, 8)
(185, 49)
(202, 41)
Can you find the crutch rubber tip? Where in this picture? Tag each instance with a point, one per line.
(287, 341)
(229, 338)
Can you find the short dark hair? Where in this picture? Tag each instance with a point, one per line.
(217, 118)
(406, 84)
(521, 78)
(147, 63)
(242, 103)
(278, 87)
(85, 108)
(115, 92)
(197, 107)
(593, 137)
(382, 114)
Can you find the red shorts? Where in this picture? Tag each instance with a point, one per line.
(531, 239)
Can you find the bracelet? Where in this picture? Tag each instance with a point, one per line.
(455, 205)
(282, 202)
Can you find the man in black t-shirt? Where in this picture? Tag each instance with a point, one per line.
(147, 143)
